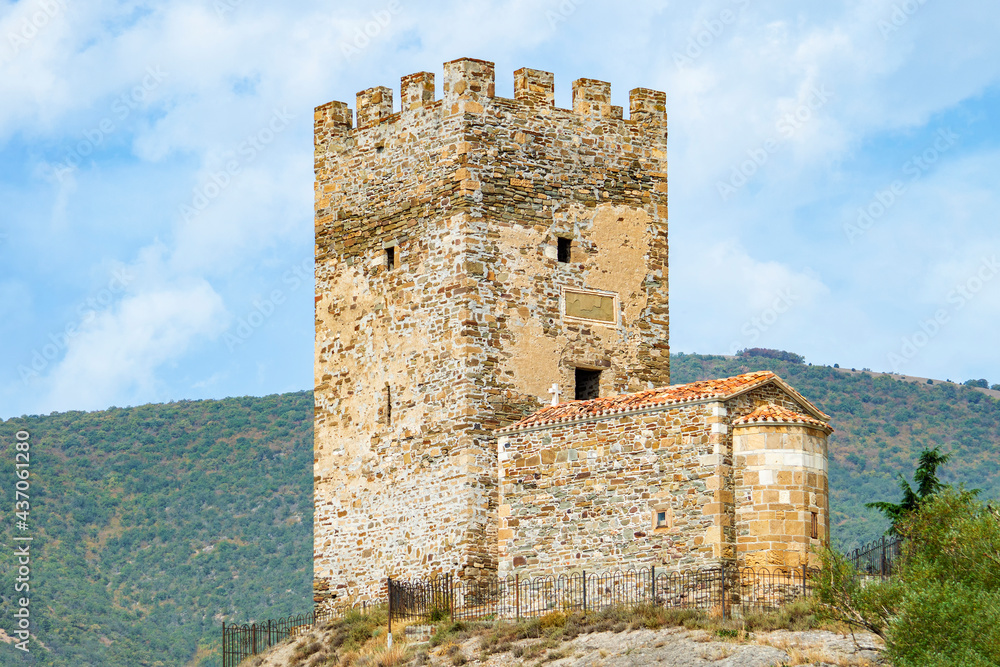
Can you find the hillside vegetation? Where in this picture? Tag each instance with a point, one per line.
(154, 524)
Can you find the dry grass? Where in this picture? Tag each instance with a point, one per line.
(798, 655)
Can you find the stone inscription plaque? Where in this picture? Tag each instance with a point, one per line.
(590, 306)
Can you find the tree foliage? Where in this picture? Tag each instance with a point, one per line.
(928, 485)
(154, 524)
(768, 353)
(942, 606)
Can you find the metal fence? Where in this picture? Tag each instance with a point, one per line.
(724, 590)
(243, 641)
(878, 558)
(727, 591)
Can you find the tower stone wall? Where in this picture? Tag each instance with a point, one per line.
(470, 252)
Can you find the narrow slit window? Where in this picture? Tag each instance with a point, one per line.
(588, 384)
(388, 405)
(390, 258)
(815, 526)
(562, 249)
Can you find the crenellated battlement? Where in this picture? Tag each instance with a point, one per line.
(468, 88)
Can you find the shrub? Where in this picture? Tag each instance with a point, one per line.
(942, 607)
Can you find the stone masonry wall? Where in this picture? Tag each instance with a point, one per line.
(782, 483)
(419, 361)
(587, 494)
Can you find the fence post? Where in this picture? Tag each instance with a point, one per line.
(584, 591)
(517, 595)
(253, 638)
(451, 596)
(723, 592)
(388, 590)
(804, 570)
(224, 663)
(652, 585)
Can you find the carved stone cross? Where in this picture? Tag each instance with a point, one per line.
(554, 390)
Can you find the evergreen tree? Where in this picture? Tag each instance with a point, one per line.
(928, 485)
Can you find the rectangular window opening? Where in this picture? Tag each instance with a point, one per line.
(563, 248)
(588, 384)
(390, 258)
(815, 526)
(661, 519)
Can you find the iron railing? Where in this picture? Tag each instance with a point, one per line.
(243, 641)
(725, 590)
(878, 558)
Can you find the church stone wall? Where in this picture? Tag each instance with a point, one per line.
(422, 352)
(587, 495)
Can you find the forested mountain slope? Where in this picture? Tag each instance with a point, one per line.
(153, 524)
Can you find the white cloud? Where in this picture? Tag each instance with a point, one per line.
(739, 301)
(115, 357)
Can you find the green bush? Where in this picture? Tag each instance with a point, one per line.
(942, 607)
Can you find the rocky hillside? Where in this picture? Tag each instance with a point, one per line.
(615, 639)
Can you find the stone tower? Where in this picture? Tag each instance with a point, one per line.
(472, 251)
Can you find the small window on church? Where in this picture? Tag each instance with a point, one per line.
(588, 384)
(661, 519)
(563, 248)
(390, 258)
(815, 526)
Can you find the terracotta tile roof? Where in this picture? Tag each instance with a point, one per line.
(777, 413)
(674, 394)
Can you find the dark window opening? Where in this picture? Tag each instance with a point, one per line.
(390, 258)
(815, 526)
(588, 384)
(661, 519)
(562, 253)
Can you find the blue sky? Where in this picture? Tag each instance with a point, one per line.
(833, 185)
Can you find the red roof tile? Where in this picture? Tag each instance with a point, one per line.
(777, 413)
(678, 393)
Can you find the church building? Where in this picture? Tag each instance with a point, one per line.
(492, 361)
